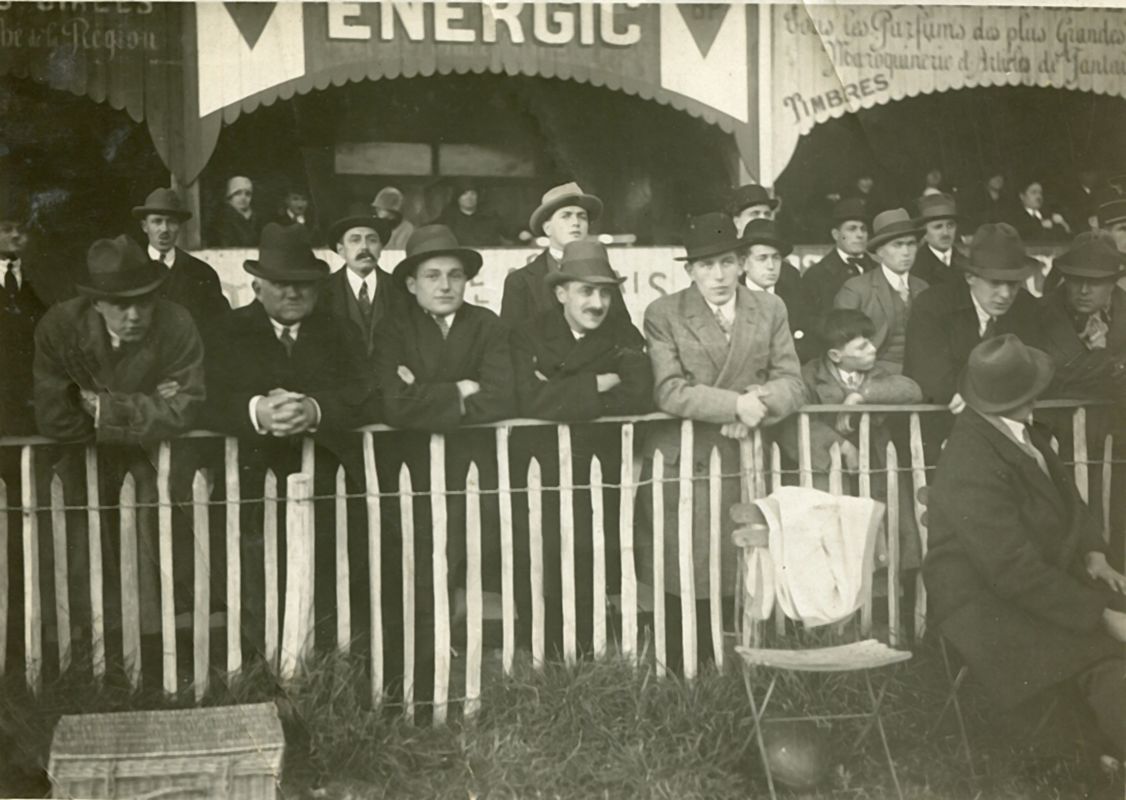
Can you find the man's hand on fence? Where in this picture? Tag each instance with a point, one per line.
(167, 389)
(735, 430)
(607, 381)
(468, 388)
(281, 412)
(750, 409)
(956, 405)
(1100, 570)
(89, 401)
(850, 456)
(1114, 622)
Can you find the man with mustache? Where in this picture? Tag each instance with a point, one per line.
(937, 260)
(191, 282)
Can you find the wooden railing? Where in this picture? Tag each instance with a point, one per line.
(288, 610)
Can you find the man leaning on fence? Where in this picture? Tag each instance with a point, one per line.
(120, 367)
(1017, 572)
(721, 355)
(573, 367)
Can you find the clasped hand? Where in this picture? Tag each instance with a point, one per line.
(285, 413)
(1098, 569)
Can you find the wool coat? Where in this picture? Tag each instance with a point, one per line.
(931, 269)
(18, 317)
(195, 285)
(1005, 574)
(872, 294)
(73, 351)
(337, 298)
(699, 375)
(799, 310)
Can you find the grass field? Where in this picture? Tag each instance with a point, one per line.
(597, 730)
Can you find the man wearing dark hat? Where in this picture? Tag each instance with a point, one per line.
(1090, 296)
(722, 355)
(572, 367)
(279, 369)
(191, 282)
(472, 226)
(1112, 218)
(847, 259)
(748, 202)
(1017, 573)
(938, 260)
(766, 270)
(564, 215)
(122, 367)
(361, 291)
(886, 295)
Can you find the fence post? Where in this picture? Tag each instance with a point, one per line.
(1107, 483)
(892, 548)
(201, 633)
(4, 576)
(805, 456)
(659, 562)
(297, 625)
(567, 541)
(375, 568)
(598, 565)
(715, 545)
(272, 595)
(685, 565)
(441, 571)
(535, 559)
(167, 595)
(343, 572)
(919, 476)
(474, 599)
(234, 555)
(406, 515)
(130, 583)
(62, 588)
(33, 617)
(1079, 449)
(626, 523)
(507, 552)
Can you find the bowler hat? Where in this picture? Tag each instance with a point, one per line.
(382, 227)
(1112, 212)
(584, 261)
(1090, 257)
(763, 231)
(1003, 373)
(120, 268)
(935, 207)
(431, 241)
(162, 201)
(557, 197)
(997, 254)
(748, 195)
(710, 235)
(850, 208)
(895, 223)
(285, 256)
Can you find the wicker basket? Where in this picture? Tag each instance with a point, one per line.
(232, 753)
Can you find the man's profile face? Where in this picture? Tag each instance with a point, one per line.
(851, 237)
(567, 224)
(1088, 295)
(286, 302)
(898, 254)
(758, 211)
(995, 297)
(13, 238)
(585, 305)
(856, 355)
(438, 284)
(161, 231)
(763, 265)
(1033, 196)
(360, 248)
(716, 276)
(128, 318)
(940, 234)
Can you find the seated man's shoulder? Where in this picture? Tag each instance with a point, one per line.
(666, 306)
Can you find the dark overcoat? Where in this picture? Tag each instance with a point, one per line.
(232, 229)
(1005, 574)
(1116, 336)
(929, 268)
(799, 310)
(18, 317)
(527, 295)
(824, 279)
(194, 285)
(337, 297)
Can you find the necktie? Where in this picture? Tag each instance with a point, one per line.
(903, 291)
(1094, 332)
(723, 323)
(1035, 453)
(856, 264)
(443, 325)
(11, 284)
(990, 329)
(365, 302)
(287, 340)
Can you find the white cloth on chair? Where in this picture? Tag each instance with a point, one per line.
(821, 547)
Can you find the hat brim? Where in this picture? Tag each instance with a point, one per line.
(784, 248)
(542, 214)
(1029, 266)
(922, 221)
(256, 269)
(1091, 273)
(382, 228)
(140, 212)
(554, 279)
(103, 294)
(876, 241)
(1045, 371)
(470, 259)
(738, 208)
(717, 249)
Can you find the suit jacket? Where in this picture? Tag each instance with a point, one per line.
(527, 296)
(929, 268)
(73, 351)
(194, 285)
(18, 318)
(1116, 336)
(872, 294)
(824, 279)
(337, 298)
(798, 308)
(1031, 230)
(568, 390)
(476, 349)
(1005, 574)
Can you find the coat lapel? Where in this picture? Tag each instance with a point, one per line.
(701, 323)
(1021, 461)
(829, 387)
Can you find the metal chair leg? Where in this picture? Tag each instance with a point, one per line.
(757, 716)
(883, 734)
(955, 686)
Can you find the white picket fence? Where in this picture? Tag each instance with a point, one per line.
(761, 471)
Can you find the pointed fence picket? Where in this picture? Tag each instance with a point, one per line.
(62, 574)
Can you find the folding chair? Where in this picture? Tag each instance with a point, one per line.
(861, 656)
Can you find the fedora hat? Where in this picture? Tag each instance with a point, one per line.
(120, 268)
(284, 255)
(1112, 212)
(584, 261)
(850, 208)
(162, 201)
(763, 231)
(748, 195)
(557, 197)
(895, 223)
(1090, 256)
(710, 235)
(382, 227)
(1004, 373)
(431, 241)
(997, 254)
(936, 206)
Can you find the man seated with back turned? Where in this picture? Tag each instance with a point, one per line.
(572, 367)
(1017, 573)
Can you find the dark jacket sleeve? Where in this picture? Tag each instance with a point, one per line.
(514, 302)
(634, 395)
(229, 381)
(419, 406)
(349, 402)
(928, 360)
(497, 398)
(561, 398)
(58, 412)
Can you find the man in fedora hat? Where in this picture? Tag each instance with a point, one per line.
(564, 215)
(1090, 296)
(572, 367)
(237, 225)
(121, 367)
(766, 270)
(1033, 219)
(191, 283)
(886, 295)
(361, 291)
(1112, 218)
(748, 202)
(280, 369)
(388, 205)
(848, 258)
(1017, 573)
(938, 260)
(722, 355)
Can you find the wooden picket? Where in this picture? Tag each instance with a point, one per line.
(297, 624)
(535, 552)
(628, 480)
(919, 482)
(439, 521)
(201, 594)
(598, 553)
(62, 573)
(567, 542)
(474, 595)
(375, 567)
(130, 583)
(1079, 452)
(33, 617)
(658, 545)
(507, 559)
(715, 545)
(891, 531)
(406, 514)
(167, 594)
(94, 535)
(234, 556)
(343, 572)
(272, 616)
(5, 577)
(684, 552)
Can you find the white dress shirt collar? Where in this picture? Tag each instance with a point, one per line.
(355, 282)
(556, 254)
(983, 316)
(945, 257)
(898, 281)
(168, 258)
(727, 310)
(754, 287)
(294, 328)
(845, 257)
(114, 340)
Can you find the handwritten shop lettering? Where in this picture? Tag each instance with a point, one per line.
(546, 23)
(848, 93)
(75, 27)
